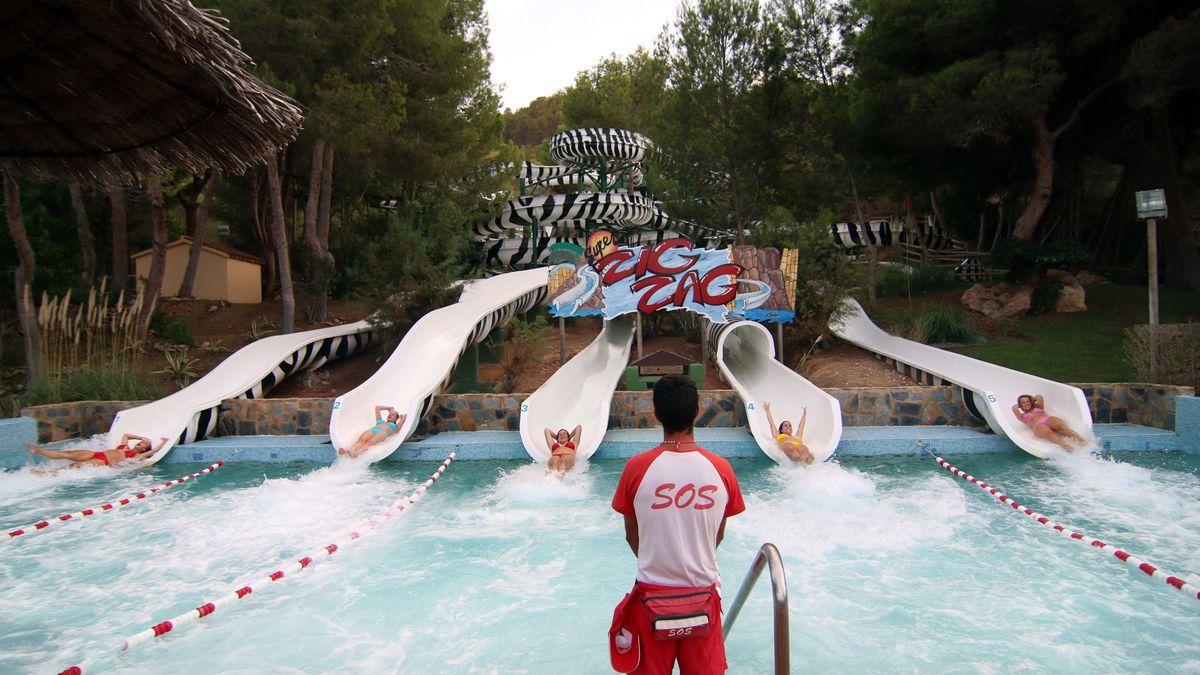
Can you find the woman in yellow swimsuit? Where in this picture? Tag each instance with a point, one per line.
(385, 428)
(791, 444)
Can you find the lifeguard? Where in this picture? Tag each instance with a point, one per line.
(675, 499)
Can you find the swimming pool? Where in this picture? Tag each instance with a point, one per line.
(893, 565)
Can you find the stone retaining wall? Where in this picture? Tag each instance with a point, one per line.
(1146, 405)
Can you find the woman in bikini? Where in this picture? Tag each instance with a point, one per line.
(1031, 409)
(791, 444)
(562, 447)
(141, 450)
(385, 428)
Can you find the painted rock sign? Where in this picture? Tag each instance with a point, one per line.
(721, 284)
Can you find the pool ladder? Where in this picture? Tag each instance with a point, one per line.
(768, 556)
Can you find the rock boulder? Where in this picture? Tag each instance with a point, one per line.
(1002, 301)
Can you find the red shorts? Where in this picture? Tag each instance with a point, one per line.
(696, 656)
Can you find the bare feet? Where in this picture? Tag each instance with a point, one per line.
(33, 449)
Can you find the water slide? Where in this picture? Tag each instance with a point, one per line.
(580, 392)
(423, 364)
(987, 389)
(745, 354)
(190, 414)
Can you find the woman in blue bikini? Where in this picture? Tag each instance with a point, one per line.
(384, 429)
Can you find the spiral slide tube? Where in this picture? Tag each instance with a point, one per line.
(987, 389)
(745, 354)
(1137, 563)
(42, 526)
(580, 392)
(190, 414)
(207, 608)
(423, 364)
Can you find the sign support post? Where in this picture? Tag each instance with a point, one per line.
(1151, 205)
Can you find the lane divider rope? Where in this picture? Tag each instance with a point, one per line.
(42, 526)
(208, 608)
(1124, 556)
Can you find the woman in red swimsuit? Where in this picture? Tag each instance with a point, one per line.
(562, 447)
(124, 452)
(1031, 409)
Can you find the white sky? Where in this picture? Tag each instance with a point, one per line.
(538, 46)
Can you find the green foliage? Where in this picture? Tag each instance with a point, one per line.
(1045, 297)
(98, 382)
(180, 366)
(525, 346)
(176, 330)
(535, 123)
(946, 324)
(260, 328)
(1026, 260)
(824, 276)
(898, 281)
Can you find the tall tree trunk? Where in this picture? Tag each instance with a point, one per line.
(23, 282)
(982, 226)
(196, 216)
(1183, 250)
(279, 234)
(1043, 180)
(323, 209)
(87, 243)
(158, 256)
(262, 233)
(120, 238)
(319, 309)
(872, 249)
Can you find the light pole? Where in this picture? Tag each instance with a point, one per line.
(1151, 205)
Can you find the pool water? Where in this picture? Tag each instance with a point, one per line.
(892, 564)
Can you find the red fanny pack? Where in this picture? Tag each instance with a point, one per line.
(678, 613)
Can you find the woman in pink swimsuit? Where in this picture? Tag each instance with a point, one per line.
(562, 447)
(124, 452)
(1031, 410)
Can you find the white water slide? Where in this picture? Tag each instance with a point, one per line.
(987, 389)
(423, 364)
(745, 353)
(190, 414)
(580, 392)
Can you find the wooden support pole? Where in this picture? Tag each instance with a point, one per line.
(639, 335)
(1152, 280)
(562, 341)
(779, 342)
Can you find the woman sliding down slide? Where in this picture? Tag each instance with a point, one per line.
(383, 430)
(143, 449)
(792, 445)
(562, 447)
(1031, 409)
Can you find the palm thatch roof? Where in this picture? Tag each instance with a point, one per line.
(101, 91)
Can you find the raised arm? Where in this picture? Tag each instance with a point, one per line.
(1039, 402)
(1017, 410)
(549, 439)
(126, 437)
(575, 433)
(379, 411)
(162, 440)
(803, 421)
(771, 420)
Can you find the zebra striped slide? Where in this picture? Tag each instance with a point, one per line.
(423, 364)
(190, 414)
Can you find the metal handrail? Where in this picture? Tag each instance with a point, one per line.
(768, 556)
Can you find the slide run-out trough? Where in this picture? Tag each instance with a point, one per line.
(988, 390)
(580, 392)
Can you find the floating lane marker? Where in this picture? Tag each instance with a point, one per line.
(35, 528)
(208, 608)
(1124, 556)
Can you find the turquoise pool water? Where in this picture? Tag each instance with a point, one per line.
(893, 565)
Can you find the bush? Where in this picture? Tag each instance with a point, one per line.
(946, 323)
(825, 276)
(1025, 259)
(178, 332)
(899, 281)
(93, 383)
(525, 346)
(1177, 356)
(1045, 297)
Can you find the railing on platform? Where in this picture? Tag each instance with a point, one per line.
(768, 556)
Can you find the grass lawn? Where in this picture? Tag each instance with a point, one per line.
(1081, 347)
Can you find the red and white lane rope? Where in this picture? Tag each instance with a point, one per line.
(1124, 556)
(209, 607)
(42, 526)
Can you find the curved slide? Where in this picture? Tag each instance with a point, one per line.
(580, 392)
(423, 363)
(992, 389)
(190, 414)
(745, 353)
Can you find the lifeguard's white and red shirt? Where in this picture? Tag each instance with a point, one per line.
(680, 499)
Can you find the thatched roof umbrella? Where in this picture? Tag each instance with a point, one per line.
(107, 91)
